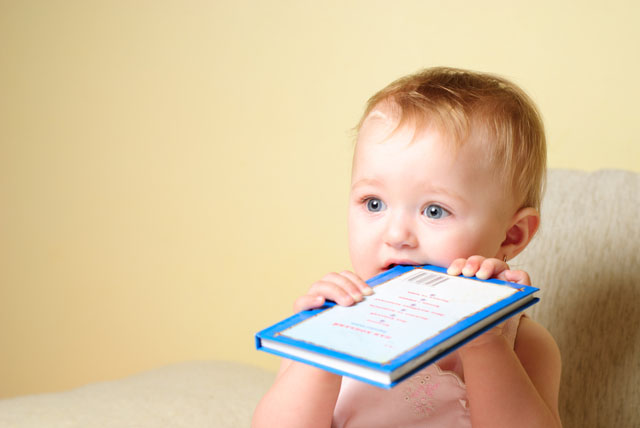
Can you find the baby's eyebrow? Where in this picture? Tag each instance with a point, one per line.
(449, 193)
(365, 182)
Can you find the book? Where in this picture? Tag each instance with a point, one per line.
(416, 315)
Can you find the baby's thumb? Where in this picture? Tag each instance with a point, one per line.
(307, 302)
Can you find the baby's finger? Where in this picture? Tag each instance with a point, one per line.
(346, 283)
(332, 291)
(455, 268)
(359, 282)
(491, 268)
(473, 265)
(518, 276)
(308, 301)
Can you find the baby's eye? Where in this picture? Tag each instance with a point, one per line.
(375, 205)
(435, 212)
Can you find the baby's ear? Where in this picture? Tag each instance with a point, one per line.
(524, 225)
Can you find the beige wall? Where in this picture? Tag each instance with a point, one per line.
(174, 173)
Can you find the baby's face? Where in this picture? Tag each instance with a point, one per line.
(418, 200)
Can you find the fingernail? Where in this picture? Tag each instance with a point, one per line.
(453, 271)
(356, 297)
(482, 274)
(467, 271)
(367, 291)
(348, 300)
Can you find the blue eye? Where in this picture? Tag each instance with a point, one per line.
(435, 212)
(375, 205)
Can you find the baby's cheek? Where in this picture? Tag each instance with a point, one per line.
(362, 258)
(363, 266)
(439, 250)
(445, 251)
(444, 260)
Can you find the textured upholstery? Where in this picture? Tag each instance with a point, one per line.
(194, 394)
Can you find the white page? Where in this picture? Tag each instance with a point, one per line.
(402, 313)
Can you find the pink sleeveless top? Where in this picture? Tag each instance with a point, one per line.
(432, 397)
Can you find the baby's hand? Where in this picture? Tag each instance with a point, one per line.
(345, 288)
(485, 268)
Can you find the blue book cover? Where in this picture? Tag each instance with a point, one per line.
(416, 315)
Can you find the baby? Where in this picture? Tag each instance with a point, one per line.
(448, 170)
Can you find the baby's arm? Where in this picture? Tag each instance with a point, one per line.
(508, 387)
(303, 395)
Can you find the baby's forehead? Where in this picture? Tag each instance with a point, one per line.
(379, 119)
(385, 122)
(381, 128)
(388, 118)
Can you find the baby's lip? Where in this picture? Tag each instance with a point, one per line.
(395, 262)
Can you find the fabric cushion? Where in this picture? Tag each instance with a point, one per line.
(193, 394)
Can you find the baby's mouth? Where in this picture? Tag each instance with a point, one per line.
(390, 266)
(393, 264)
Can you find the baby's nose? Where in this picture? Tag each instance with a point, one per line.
(400, 232)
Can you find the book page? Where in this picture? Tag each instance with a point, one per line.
(402, 313)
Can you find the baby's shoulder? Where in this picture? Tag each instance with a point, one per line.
(537, 350)
(532, 333)
(539, 355)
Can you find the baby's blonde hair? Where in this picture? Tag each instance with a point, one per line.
(468, 104)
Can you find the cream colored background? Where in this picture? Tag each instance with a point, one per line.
(174, 173)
